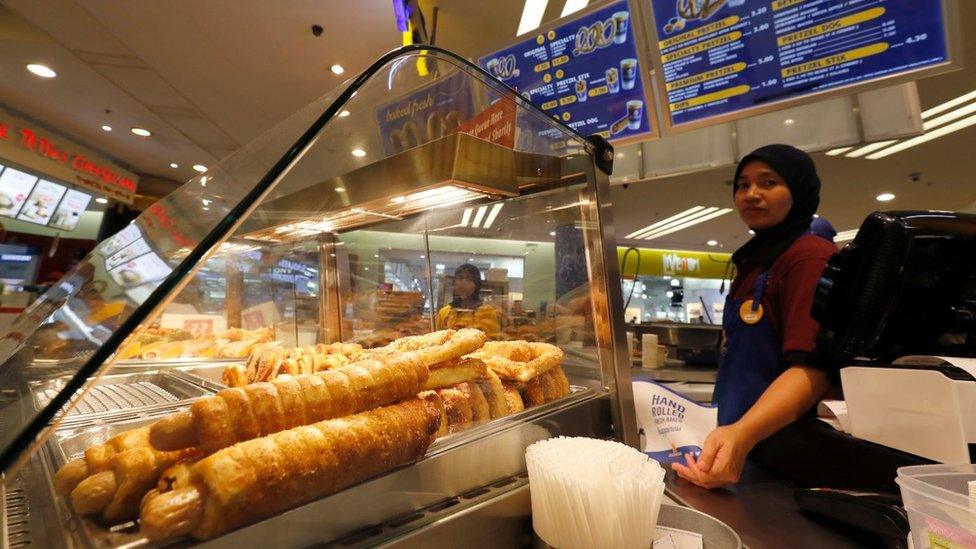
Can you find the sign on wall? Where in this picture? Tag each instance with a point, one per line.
(47, 153)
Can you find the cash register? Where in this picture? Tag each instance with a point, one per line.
(897, 309)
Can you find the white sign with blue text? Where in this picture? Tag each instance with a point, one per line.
(670, 424)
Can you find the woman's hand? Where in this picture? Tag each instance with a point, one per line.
(721, 460)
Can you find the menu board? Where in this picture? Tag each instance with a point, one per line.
(130, 252)
(119, 240)
(145, 268)
(15, 186)
(722, 57)
(41, 203)
(69, 212)
(586, 73)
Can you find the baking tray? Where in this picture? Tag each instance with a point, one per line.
(120, 394)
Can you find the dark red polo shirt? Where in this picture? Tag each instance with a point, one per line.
(788, 299)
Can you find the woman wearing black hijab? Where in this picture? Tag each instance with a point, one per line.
(769, 375)
(467, 309)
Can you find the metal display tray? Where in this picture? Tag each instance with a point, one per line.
(115, 394)
(491, 454)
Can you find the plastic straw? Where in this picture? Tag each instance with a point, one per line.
(593, 493)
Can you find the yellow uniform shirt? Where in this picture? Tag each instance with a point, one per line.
(486, 318)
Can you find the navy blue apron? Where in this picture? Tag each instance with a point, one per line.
(752, 358)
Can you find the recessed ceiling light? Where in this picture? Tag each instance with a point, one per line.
(532, 14)
(470, 259)
(41, 70)
(788, 122)
(552, 233)
(840, 150)
(675, 282)
(885, 197)
(712, 243)
(340, 189)
(174, 165)
(573, 6)
(107, 128)
(141, 132)
(358, 153)
(200, 168)
(344, 114)
(337, 69)
(752, 231)
(101, 200)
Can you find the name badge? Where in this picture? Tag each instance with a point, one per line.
(748, 315)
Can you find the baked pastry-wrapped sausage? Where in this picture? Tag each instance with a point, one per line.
(97, 459)
(265, 476)
(238, 414)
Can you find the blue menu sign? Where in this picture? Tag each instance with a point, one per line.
(585, 73)
(720, 57)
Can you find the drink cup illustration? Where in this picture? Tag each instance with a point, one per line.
(581, 89)
(628, 73)
(613, 80)
(621, 21)
(635, 112)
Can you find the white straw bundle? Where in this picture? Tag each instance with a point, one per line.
(593, 493)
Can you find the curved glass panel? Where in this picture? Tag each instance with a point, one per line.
(236, 255)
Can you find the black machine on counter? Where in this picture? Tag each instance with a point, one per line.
(693, 344)
(897, 309)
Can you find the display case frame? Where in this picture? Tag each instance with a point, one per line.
(599, 406)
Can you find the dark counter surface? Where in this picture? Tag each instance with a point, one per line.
(761, 509)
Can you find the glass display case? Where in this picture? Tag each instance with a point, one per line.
(423, 198)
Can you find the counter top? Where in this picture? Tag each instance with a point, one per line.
(692, 374)
(761, 509)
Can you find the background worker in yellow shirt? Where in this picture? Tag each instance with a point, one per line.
(467, 309)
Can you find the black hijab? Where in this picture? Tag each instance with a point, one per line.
(800, 174)
(473, 301)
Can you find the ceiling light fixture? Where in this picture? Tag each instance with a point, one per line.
(41, 70)
(788, 122)
(838, 151)
(926, 137)
(532, 14)
(949, 117)
(478, 216)
(675, 217)
(465, 217)
(200, 168)
(343, 114)
(141, 132)
(573, 6)
(337, 69)
(857, 153)
(552, 233)
(174, 165)
(949, 104)
(340, 189)
(683, 220)
(493, 214)
(752, 231)
(712, 243)
(106, 128)
(101, 200)
(358, 153)
(885, 197)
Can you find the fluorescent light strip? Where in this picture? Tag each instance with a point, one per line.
(531, 16)
(844, 236)
(949, 117)
(929, 136)
(689, 211)
(573, 6)
(478, 216)
(841, 150)
(870, 148)
(949, 104)
(492, 215)
(465, 217)
(708, 217)
(686, 219)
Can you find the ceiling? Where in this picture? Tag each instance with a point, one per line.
(206, 79)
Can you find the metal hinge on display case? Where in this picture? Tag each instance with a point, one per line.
(602, 152)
